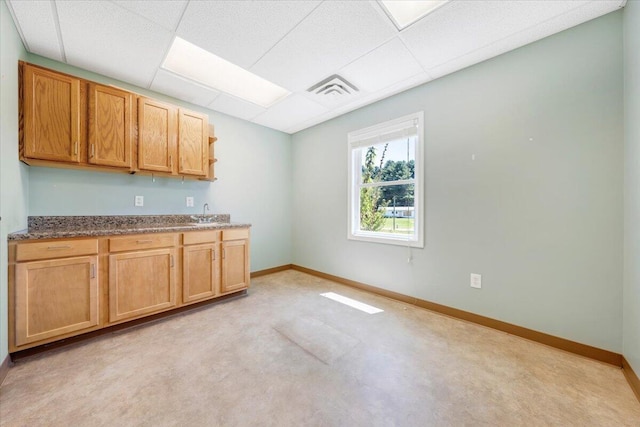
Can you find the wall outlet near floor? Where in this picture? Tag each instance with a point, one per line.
(189, 202)
(138, 201)
(476, 281)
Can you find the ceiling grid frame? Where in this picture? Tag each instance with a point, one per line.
(313, 12)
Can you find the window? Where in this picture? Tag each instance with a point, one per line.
(385, 182)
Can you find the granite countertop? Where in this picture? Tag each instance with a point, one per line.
(53, 227)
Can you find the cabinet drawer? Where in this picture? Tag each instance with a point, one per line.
(55, 249)
(141, 241)
(235, 234)
(195, 237)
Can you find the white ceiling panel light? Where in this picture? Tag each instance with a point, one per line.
(404, 12)
(197, 64)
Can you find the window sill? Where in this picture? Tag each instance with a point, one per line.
(386, 240)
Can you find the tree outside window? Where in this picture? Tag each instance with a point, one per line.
(383, 172)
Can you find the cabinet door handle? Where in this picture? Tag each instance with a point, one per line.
(75, 148)
(213, 252)
(171, 162)
(57, 248)
(93, 150)
(171, 257)
(141, 242)
(93, 271)
(223, 254)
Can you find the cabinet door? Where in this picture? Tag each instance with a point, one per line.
(200, 272)
(140, 283)
(235, 266)
(193, 143)
(157, 134)
(51, 108)
(109, 126)
(55, 297)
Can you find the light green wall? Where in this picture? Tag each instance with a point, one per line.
(14, 177)
(540, 219)
(631, 323)
(254, 185)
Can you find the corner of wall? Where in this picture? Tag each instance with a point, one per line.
(14, 176)
(631, 287)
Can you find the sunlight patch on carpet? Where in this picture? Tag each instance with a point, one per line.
(352, 303)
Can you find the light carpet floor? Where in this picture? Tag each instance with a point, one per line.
(285, 356)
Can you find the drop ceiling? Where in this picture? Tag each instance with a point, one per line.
(294, 44)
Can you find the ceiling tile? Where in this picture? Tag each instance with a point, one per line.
(551, 26)
(241, 31)
(332, 36)
(38, 27)
(366, 99)
(163, 12)
(292, 110)
(180, 88)
(236, 107)
(458, 28)
(294, 44)
(369, 75)
(104, 38)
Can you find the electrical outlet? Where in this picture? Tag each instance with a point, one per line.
(476, 281)
(139, 201)
(189, 202)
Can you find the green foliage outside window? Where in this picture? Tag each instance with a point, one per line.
(374, 200)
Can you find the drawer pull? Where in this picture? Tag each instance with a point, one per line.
(141, 242)
(57, 248)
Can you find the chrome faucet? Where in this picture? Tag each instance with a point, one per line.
(202, 219)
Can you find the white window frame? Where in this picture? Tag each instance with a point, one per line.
(366, 137)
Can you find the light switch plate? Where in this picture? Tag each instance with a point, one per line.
(139, 201)
(189, 202)
(476, 281)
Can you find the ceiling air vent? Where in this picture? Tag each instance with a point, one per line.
(333, 88)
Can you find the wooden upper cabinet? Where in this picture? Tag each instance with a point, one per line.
(110, 126)
(193, 143)
(52, 115)
(157, 134)
(70, 122)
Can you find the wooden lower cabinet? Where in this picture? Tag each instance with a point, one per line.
(140, 283)
(235, 266)
(55, 297)
(60, 288)
(200, 272)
